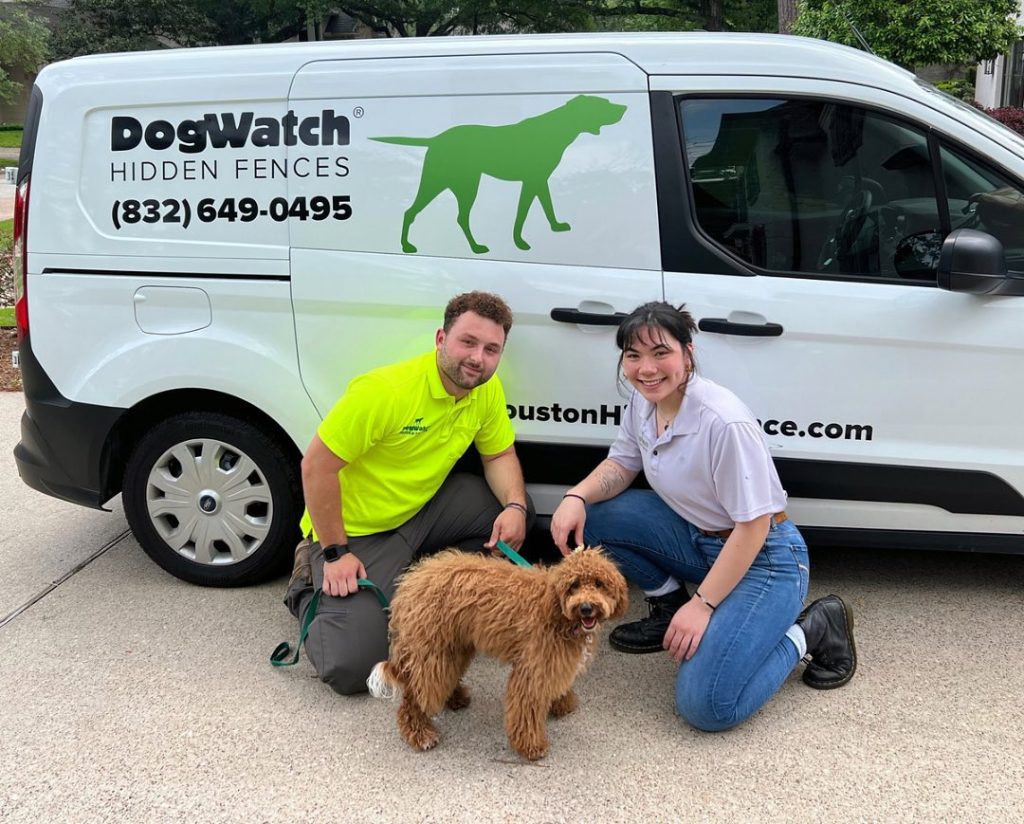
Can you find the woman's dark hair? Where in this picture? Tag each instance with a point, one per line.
(656, 316)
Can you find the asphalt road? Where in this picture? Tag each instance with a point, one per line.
(127, 696)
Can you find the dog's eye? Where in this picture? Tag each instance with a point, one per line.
(575, 585)
(598, 584)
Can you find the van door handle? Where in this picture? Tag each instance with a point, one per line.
(747, 330)
(568, 315)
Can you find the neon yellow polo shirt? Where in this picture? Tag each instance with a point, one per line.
(400, 433)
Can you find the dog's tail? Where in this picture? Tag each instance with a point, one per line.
(383, 682)
(405, 141)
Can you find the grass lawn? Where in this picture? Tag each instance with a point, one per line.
(5, 162)
(6, 232)
(10, 139)
(6, 316)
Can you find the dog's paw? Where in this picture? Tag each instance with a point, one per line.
(425, 741)
(459, 699)
(533, 751)
(564, 705)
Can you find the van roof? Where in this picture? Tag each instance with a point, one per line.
(705, 53)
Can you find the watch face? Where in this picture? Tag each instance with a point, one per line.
(334, 552)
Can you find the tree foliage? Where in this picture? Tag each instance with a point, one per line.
(93, 26)
(916, 32)
(89, 26)
(22, 49)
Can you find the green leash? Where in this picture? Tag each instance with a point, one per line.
(512, 555)
(284, 649)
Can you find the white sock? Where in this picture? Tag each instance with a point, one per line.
(671, 585)
(796, 634)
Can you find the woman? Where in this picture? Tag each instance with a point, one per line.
(714, 515)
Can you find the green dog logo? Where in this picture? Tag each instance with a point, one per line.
(527, 151)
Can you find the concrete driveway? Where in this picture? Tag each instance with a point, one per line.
(127, 696)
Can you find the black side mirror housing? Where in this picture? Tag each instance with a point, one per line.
(974, 262)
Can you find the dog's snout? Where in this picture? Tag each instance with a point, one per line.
(586, 609)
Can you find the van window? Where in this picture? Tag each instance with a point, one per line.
(810, 186)
(985, 200)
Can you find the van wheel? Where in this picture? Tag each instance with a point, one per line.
(213, 500)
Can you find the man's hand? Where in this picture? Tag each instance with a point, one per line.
(340, 576)
(686, 630)
(568, 522)
(510, 527)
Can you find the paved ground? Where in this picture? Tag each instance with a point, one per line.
(6, 189)
(6, 200)
(127, 696)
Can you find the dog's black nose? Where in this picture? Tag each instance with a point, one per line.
(586, 609)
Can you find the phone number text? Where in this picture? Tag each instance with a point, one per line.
(245, 210)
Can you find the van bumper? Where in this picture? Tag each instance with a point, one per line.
(63, 450)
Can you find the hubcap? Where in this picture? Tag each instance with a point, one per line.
(209, 501)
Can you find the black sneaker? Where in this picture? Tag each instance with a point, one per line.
(646, 635)
(828, 626)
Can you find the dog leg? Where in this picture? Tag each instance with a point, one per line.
(459, 699)
(526, 197)
(544, 196)
(430, 187)
(564, 704)
(415, 726)
(465, 193)
(525, 712)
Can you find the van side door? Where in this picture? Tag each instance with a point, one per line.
(528, 175)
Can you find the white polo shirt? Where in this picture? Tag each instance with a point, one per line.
(712, 465)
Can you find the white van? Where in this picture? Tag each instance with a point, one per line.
(214, 241)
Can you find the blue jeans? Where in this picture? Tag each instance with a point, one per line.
(744, 656)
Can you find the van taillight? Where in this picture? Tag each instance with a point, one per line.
(21, 258)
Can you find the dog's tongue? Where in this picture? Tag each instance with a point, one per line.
(588, 623)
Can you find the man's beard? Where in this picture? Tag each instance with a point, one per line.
(453, 371)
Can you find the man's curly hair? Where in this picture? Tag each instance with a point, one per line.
(485, 304)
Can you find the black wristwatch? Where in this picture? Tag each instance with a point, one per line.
(333, 552)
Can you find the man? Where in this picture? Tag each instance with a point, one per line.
(375, 479)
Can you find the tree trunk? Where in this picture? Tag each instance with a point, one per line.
(787, 15)
(713, 15)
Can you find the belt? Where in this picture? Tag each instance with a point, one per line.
(724, 534)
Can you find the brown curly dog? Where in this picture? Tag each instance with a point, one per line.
(542, 620)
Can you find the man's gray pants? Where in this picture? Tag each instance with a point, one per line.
(350, 635)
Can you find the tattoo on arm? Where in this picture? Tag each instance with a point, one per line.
(610, 478)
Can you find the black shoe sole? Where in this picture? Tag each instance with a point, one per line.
(808, 677)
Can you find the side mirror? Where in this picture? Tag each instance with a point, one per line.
(974, 262)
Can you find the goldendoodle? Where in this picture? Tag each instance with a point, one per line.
(541, 620)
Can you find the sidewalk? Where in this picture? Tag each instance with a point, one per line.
(6, 201)
(7, 189)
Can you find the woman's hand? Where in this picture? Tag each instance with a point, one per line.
(568, 522)
(686, 630)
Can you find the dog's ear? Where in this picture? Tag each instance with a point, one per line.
(616, 585)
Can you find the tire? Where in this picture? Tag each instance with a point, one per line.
(213, 499)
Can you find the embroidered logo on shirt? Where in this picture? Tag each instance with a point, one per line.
(414, 428)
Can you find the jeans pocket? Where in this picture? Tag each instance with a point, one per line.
(803, 569)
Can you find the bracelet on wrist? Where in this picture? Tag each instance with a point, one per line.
(574, 495)
(516, 505)
(704, 601)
